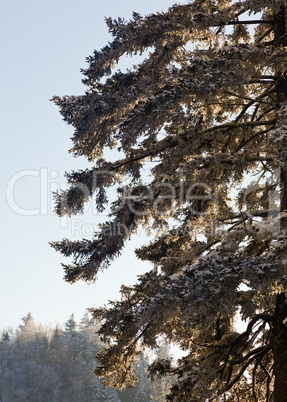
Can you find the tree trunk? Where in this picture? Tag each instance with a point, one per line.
(278, 344)
(278, 338)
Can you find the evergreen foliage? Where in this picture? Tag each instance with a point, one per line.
(46, 364)
(205, 111)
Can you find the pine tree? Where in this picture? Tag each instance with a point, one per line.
(206, 113)
(142, 393)
(160, 386)
(73, 355)
(5, 357)
(92, 389)
(49, 365)
(28, 328)
(70, 326)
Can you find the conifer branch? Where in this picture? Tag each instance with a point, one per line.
(220, 103)
(171, 142)
(261, 37)
(259, 355)
(249, 22)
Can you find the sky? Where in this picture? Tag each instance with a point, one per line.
(43, 47)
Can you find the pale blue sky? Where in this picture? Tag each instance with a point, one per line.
(43, 47)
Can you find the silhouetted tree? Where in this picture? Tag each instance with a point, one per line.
(204, 111)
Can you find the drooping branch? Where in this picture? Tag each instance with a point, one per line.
(259, 355)
(168, 143)
(249, 22)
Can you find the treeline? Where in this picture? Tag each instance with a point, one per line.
(40, 363)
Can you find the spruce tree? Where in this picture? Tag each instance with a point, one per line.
(143, 391)
(206, 113)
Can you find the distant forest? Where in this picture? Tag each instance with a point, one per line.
(44, 363)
